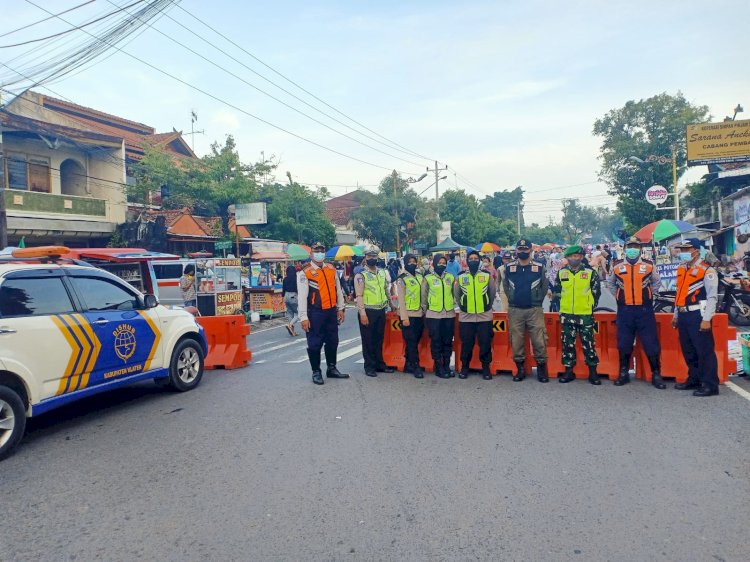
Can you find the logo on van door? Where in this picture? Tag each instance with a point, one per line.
(124, 341)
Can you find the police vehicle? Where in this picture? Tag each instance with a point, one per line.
(68, 331)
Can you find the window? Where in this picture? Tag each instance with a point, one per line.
(102, 294)
(28, 174)
(34, 297)
(171, 271)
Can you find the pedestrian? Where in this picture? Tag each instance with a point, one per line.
(474, 291)
(507, 257)
(579, 289)
(454, 265)
(634, 282)
(372, 288)
(695, 306)
(437, 297)
(411, 312)
(289, 294)
(321, 310)
(525, 283)
(187, 286)
(487, 266)
(557, 262)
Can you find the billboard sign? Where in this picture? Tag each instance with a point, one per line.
(718, 143)
(444, 231)
(250, 213)
(657, 194)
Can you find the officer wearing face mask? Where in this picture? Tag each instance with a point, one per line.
(474, 291)
(372, 288)
(437, 297)
(410, 311)
(695, 306)
(633, 282)
(321, 310)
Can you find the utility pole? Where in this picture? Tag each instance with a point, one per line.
(518, 218)
(3, 213)
(674, 183)
(394, 177)
(437, 171)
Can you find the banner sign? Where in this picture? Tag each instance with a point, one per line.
(742, 215)
(718, 143)
(668, 275)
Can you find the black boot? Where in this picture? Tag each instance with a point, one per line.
(317, 377)
(623, 377)
(687, 385)
(418, 372)
(594, 376)
(567, 376)
(464, 371)
(314, 357)
(656, 379)
(441, 370)
(486, 375)
(332, 372)
(520, 371)
(448, 371)
(541, 372)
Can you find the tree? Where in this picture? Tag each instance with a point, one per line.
(470, 223)
(654, 126)
(553, 232)
(504, 204)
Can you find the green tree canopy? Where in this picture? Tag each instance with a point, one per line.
(648, 127)
(504, 204)
(471, 223)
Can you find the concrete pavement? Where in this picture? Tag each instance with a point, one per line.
(260, 464)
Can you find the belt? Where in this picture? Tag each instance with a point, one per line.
(691, 308)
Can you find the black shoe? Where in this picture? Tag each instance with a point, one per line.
(657, 381)
(385, 369)
(371, 373)
(333, 373)
(687, 385)
(704, 391)
(567, 376)
(623, 378)
(418, 373)
(318, 377)
(447, 367)
(541, 372)
(442, 371)
(520, 371)
(486, 375)
(463, 374)
(594, 376)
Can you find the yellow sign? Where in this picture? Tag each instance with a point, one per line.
(396, 325)
(227, 262)
(718, 143)
(228, 303)
(498, 325)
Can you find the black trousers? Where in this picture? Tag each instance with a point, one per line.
(698, 350)
(324, 330)
(372, 339)
(412, 335)
(469, 332)
(441, 338)
(637, 320)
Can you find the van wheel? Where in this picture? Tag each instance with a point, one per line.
(186, 366)
(12, 420)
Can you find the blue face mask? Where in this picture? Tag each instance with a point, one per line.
(632, 253)
(319, 256)
(686, 256)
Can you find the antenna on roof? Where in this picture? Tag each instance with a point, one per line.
(193, 132)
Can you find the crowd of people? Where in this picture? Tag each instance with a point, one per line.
(431, 294)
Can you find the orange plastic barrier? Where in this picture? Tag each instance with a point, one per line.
(394, 346)
(227, 341)
(673, 363)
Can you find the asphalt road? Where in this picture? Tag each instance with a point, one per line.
(260, 464)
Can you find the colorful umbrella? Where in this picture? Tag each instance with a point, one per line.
(340, 252)
(298, 252)
(488, 247)
(663, 229)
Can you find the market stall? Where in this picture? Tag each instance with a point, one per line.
(219, 286)
(264, 290)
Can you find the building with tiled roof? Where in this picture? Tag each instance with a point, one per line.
(339, 211)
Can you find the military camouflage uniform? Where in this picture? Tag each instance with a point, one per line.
(581, 324)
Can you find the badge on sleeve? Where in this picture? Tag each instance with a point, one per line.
(512, 268)
(623, 269)
(642, 269)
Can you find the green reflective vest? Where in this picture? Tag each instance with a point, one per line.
(474, 292)
(576, 296)
(440, 292)
(412, 291)
(374, 294)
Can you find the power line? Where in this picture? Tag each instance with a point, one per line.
(46, 19)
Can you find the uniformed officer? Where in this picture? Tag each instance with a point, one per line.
(372, 288)
(437, 296)
(695, 306)
(579, 289)
(525, 283)
(633, 282)
(474, 291)
(411, 312)
(321, 310)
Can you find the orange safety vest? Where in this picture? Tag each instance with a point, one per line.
(322, 283)
(633, 282)
(690, 284)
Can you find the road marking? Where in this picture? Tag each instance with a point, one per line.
(280, 346)
(265, 343)
(259, 362)
(349, 352)
(739, 390)
(360, 361)
(341, 343)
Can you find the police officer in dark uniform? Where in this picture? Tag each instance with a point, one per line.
(695, 306)
(633, 282)
(321, 310)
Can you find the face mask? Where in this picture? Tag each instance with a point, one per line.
(372, 262)
(411, 268)
(439, 269)
(632, 253)
(473, 266)
(523, 255)
(319, 256)
(686, 256)
(574, 262)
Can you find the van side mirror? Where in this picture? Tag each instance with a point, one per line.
(150, 301)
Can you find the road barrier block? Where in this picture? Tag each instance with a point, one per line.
(394, 346)
(227, 341)
(672, 361)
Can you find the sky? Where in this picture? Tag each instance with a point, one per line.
(504, 93)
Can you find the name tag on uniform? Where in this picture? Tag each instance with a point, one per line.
(623, 269)
(512, 268)
(534, 268)
(642, 269)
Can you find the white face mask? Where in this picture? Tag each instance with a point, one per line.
(319, 256)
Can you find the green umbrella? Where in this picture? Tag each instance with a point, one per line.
(298, 252)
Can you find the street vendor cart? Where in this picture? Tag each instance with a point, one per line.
(219, 286)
